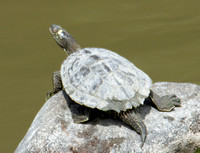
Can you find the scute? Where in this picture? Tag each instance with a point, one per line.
(99, 78)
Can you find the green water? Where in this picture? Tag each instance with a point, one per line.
(160, 37)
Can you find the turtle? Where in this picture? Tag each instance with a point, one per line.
(101, 79)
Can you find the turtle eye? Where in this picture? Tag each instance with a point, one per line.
(60, 33)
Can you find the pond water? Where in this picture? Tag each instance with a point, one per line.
(160, 37)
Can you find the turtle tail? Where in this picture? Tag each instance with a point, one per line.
(134, 120)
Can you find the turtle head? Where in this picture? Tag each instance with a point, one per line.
(64, 39)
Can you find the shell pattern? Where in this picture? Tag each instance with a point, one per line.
(99, 78)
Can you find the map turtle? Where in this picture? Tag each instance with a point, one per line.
(101, 79)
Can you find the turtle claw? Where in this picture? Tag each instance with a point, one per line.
(174, 100)
(80, 119)
(49, 94)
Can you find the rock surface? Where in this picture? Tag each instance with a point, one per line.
(53, 129)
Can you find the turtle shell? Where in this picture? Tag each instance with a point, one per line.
(99, 78)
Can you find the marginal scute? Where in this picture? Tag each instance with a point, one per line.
(99, 78)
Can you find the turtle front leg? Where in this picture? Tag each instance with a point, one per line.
(57, 84)
(165, 103)
(133, 119)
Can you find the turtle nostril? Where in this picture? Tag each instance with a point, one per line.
(54, 28)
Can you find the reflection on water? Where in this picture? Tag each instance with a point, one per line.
(161, 38)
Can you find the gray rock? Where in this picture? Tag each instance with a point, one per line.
(53, 129)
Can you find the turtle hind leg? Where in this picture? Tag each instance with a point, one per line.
(80, 114)
(57, 84)
(165, 103)
(134, 120)
(81, 117)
